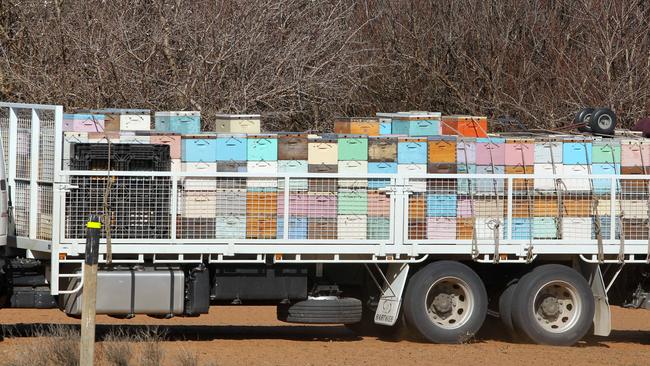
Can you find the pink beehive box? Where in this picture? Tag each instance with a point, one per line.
(464, 207)
(83, 122)
(520, 153)
(298, 204)
(378, 204)
(491, 152)
(174, 142)
(322, 205)
(441, 228)
(635, 153)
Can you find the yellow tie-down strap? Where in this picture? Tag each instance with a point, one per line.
(94, 225)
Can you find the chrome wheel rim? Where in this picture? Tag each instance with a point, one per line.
(557, 307)
(449, 302)
(604, 122)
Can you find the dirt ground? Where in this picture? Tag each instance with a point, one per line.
(251, 336)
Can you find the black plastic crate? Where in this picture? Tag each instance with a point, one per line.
(123, 157)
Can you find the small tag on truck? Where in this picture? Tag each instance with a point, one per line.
(391, 299)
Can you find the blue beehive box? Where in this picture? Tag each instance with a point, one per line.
(489, 185)
(603, 186)
(416, 124)
(231, 148)
(574, 153)
(465, 184)
(521, 228)
(441, 205)
(378, 228)
(605, 227)
(262, 148)
(412, 152)
(178, 122)
(199, 149)
(297, 227)
(385, 128)
(544, 228)
(185, 124)
(382, 168)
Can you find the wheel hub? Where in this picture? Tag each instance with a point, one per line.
(550, 307)
(442, 303)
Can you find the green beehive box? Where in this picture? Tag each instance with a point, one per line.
(606, 152)
(353, 148)
(353, 202)
(378, 228)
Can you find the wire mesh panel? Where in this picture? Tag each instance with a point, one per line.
(4, 130)
(23, 144)
(46, 146)
(21, 210)
(570, 208)
(44, 222)
(139, 206)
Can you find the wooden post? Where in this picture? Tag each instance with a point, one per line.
(89, 296)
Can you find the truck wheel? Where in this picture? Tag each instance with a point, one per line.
(583, 116)
(553, 305)
(333, 310)
(446, 302)
(505, 310)
(603, 121)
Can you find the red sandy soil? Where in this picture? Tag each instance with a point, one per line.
(250, 335)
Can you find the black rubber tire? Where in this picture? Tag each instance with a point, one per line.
(523, 302)
(345, 310)
(606, 115)
(583, 116)
(505, 310)
(415, 307)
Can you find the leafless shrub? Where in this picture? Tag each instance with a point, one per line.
(301, 62)
(117, 348)
(56, 345)
(187, 358)
(151, 352)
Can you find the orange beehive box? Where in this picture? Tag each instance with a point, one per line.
(417, 207)
(545, 206)
(357, 126)
(442, 149)
(467, 126)
(259, 203)
(577, 207)
(261, 227)
(464, 228)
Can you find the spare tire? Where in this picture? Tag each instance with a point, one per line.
(603, 121)
(328, 310)
(583, 116)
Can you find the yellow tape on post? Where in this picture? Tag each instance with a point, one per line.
(94, 225)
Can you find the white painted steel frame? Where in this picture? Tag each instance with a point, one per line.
(31, 242)
(398, 245)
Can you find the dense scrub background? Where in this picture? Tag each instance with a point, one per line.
(302, 62)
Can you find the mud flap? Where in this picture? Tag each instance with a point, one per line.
(602, 315)
(391, 299)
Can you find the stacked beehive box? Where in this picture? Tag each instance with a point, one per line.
(366, 151)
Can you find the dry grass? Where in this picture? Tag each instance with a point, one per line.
(59, 346)
(54, 346)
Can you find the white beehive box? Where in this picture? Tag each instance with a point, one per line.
(238, 123)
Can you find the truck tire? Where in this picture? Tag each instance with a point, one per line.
(505, 310)
(446, 302)
(553, 305)
(583, 116)
(603, 121)
(344, 310)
